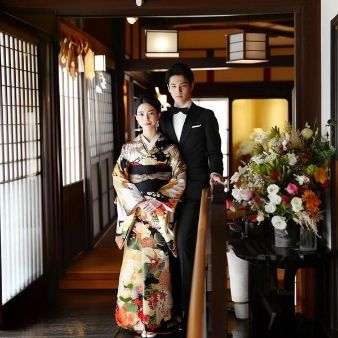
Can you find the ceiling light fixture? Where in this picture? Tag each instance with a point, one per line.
(162, 43)
(132, 19)
(247, 48)
(139, 3)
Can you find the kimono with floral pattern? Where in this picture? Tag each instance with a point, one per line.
(144, 299)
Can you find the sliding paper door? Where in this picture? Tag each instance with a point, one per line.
(20, 167)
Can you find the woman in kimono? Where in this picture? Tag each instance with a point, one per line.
(149, 179)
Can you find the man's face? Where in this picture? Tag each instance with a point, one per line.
(180, 89)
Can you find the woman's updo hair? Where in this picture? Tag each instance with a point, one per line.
(147, 98)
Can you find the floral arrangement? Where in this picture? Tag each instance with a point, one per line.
(285, 178)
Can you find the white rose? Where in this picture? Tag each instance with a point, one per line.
(236, 193)
(272, 189)
(279, 222)
(246, 194)
(275, 199)
(292, 159)
(270, 208)
(297, 204)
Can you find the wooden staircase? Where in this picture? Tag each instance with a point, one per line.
(98, 268)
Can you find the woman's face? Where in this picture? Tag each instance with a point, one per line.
(147, 116)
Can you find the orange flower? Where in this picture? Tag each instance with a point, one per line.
(121, 316)
(320, 175)
(125, 318)
(311, 201)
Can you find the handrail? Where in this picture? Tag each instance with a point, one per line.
(197, 297)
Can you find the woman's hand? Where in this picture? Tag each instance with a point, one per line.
(150, 205)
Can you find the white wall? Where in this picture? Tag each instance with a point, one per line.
(329, 9)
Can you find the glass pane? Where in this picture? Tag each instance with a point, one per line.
(221, 109)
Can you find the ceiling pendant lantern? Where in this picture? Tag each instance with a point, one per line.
(162, 43)
(247, 48)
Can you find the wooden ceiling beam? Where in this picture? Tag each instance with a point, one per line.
(104, 8)
(202, 63)
(286, 19)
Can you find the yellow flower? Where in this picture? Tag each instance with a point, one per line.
(307, 133)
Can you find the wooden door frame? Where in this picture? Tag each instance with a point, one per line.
(42, 290)
(333, 273)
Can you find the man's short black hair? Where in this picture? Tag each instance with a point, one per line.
(179, 68)
(147, 98)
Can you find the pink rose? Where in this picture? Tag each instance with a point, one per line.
(292, 189)
(246, 194)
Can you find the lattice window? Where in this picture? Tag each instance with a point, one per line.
(100, 111)
(20, 166)
(71, 118)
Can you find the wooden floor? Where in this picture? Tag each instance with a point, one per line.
(90, 313)
(85, 303)
(78, 313)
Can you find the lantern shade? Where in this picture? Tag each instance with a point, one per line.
(162, 43)
(247, 48)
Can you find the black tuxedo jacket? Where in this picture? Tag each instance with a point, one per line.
(200, 146)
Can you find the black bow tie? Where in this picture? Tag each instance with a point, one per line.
(176, 110)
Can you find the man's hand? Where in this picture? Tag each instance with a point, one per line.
(216, 179)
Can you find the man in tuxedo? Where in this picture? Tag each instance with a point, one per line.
(195, 130)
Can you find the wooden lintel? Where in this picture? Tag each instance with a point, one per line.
(202, 63)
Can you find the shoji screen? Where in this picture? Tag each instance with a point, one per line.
(101, 143)
(71, 91)
(20, 166)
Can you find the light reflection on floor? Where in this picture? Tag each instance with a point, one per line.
(91, 314)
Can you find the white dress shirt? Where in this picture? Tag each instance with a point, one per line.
(178, 121)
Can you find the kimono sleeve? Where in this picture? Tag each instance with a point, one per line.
(171, 192)
(127, 193)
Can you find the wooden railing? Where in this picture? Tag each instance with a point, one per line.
(196, 319)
